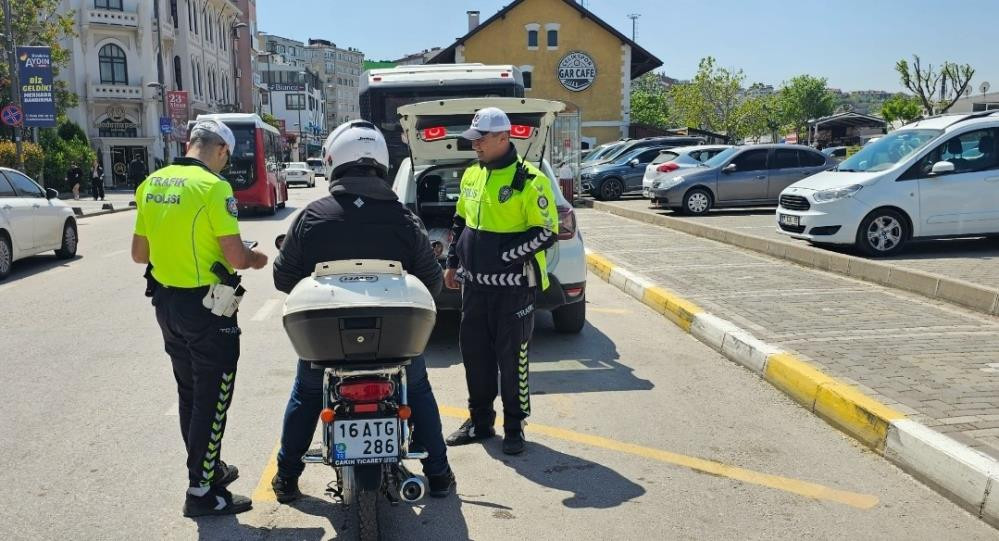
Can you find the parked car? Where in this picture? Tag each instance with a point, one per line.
(316, 164)
(429, 184)
(299, 173)
(602, 151)
(670, 141)
(744, 176)
(937, 177)
(668, 162)
(609, 180)
(836, 153)
(32, 220)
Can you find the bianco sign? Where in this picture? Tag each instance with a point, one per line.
(577, 71)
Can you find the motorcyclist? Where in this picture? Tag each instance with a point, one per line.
(362, 218)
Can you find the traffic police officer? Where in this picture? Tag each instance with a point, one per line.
(186, 222)
(505, 220)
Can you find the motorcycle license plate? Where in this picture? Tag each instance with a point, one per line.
(365, 441)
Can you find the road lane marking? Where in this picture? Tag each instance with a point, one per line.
(265, 311)
(115, 253)
(786, 484)
(264, 492)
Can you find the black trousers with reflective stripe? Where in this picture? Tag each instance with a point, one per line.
(495, 335)
(204, 349)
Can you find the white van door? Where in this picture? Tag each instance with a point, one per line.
(966, 200)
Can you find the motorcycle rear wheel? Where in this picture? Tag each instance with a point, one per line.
(361, 503)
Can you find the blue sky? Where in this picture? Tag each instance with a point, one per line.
(853, 43)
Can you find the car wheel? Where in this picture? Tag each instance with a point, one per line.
(70, 241)
(272, 209)
(611, 189)
(882, 233)
(569, 319)
(6, 256)
(697, 202)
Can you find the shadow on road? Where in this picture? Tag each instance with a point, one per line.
(259, 216)
(30, 266)
(592, 485)
(230, 529)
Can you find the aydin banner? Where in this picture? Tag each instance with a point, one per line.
(34, 69)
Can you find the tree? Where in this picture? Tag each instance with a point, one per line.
(39, 22)
(711, 100)
(270, 119)
(901, 107)
(761, 115)
(805, 98)
(650, 102)
(925, 82)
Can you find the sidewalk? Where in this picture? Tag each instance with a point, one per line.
(114, 201)
(931, 360)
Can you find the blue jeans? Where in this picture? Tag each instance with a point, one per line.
(302, 415)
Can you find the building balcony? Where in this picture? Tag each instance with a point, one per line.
(169, 32)
(103, 92)
(110, 17)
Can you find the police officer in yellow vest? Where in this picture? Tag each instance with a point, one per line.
(505, 220)
(185, 224)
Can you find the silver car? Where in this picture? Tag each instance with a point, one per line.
(744, 176)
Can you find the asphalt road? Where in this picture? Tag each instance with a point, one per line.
(638, 430)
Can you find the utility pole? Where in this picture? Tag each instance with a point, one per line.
(15, 89)
(634, 19)
(159, 77)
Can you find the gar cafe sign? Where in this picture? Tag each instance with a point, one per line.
(116, 119)
(577, 71)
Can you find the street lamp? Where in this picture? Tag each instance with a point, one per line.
(166, 144)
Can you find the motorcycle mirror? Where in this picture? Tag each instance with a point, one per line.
(279, 241)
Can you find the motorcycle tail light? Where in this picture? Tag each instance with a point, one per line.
(369, 390)
(370, 407)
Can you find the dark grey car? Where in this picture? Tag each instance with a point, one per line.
(739, 177)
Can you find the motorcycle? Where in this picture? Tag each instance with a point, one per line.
(362, 321)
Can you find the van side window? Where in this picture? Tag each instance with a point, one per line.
(969, 152)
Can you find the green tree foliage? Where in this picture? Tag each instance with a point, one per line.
(650, 102)
(270, 119)
(926, 81)
(761, 115)
(32, 158)
(805, 98)
(903, 108)
(61, 148)
(711, 101)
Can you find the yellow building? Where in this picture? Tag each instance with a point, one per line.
(565, 53)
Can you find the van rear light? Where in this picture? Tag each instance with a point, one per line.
(376, 79)
(518, 131)
(435, 133)
(574, 292)
(369, 390)
(566, 223)
(505, 74)
(667, 167)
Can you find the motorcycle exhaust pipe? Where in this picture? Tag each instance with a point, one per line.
(412, 490)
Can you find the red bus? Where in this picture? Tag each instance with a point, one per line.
(255, 163)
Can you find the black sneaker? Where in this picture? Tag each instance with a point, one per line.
(217, 501)
(286, 490)
(229, 474)
(513, 442)
(442, 483)
(469, 433)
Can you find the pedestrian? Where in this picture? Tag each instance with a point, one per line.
(74, 177)
(136, 172)
(504, 222)
(97, 180)
(361, 207)
(185, 224)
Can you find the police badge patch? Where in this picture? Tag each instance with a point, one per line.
(230, 205)
(505, 193)
(542, 202)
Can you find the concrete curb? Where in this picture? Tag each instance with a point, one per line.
(957, 471)
(972, 296)
(109, 209)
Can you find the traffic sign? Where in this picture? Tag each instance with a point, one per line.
(12, 115)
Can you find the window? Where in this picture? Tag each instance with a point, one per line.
(527, 72)
(113, 64)
(751, 160)
(784, 158)
(195, 22)
(24, 186)
(108, 4)
(969, 152)
(178, 81)
(201, 87)
(6, 190)
(281, 49)
(553, 39)
(811, 159)
(294, 102)
(647, 156)
(264, 98)
(190, 19)
(664, 156)
(532, 38)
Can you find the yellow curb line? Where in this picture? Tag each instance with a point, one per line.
(785, 484)
(264, 492)
(840, 404)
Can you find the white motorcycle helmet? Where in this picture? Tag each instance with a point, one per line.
(355, 143)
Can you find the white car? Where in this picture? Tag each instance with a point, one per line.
(316, 164)
(429, 185)
(299, 173)
(32, 221)
(665, 165)
(935, 178)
